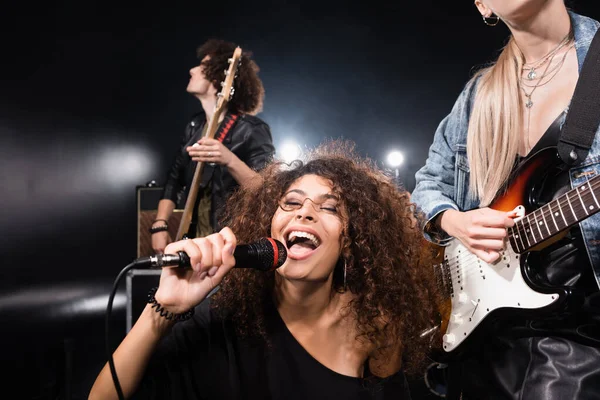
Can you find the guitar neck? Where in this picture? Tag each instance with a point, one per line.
(556, 216)
(188, 212)
(190, 203)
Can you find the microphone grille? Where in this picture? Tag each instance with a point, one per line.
(272, 253)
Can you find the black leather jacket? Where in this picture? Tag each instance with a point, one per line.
(249, 139)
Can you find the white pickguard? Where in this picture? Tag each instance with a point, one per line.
(480, 288)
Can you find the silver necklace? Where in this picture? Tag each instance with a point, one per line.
(532, 74)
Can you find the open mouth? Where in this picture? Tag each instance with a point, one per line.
(301, 243)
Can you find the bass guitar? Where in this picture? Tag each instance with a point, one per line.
(210, 129)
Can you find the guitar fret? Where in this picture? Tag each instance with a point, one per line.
(537, 224)
(571, 206)
(519, 235)
(530, 229)
(589, 197)
(591, 190)
(517, 238)
(545, 223)
(582, 203)
(552, 215)
(525, 232)
(562, 214)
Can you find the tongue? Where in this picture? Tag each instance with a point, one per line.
(301, 248)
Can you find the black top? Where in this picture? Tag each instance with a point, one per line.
(203, 358)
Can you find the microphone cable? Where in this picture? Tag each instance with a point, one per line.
(266, 254)
(109, 352)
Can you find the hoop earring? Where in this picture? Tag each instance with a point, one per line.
(344, 286)
(493, 18)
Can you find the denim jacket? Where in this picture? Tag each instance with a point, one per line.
(443, 182)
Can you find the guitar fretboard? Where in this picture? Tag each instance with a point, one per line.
(556, 216)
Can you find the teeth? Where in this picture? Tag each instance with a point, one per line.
(295, 234)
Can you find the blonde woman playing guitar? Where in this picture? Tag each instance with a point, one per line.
(545, 343)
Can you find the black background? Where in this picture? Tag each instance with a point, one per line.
(93, 103)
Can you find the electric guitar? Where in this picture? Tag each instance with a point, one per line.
(475, 289)
(210, 129)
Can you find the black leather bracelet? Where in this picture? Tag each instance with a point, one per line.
(167, 314)
(159, 228)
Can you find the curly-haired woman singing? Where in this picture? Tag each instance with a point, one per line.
(342, 317)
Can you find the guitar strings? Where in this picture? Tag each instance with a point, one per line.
(573, 202)
(522, 226)
(470, 265)
(535, 230)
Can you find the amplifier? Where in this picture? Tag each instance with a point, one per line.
(138, 283)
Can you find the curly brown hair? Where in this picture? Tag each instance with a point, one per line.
(249, 91)
(389, 265)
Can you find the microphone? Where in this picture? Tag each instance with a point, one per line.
(265, 254)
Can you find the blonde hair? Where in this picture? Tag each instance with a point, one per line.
(494, 136)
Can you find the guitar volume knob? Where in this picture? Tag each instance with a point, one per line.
(456, 318)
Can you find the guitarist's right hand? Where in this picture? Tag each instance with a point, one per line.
(482, 231)
(160, 240)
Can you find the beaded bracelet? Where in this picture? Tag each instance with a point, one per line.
(163, 220)
(161, 228)
(168, 314)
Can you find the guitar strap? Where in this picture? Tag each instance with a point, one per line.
(228, 123)
(583, 118)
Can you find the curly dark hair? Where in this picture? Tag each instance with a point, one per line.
(389, 266)
(249, 91)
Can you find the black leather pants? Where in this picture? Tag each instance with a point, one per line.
(534, 368)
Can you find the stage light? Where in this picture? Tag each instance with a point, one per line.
(124, 165)
(395, 159)
(289, 152)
